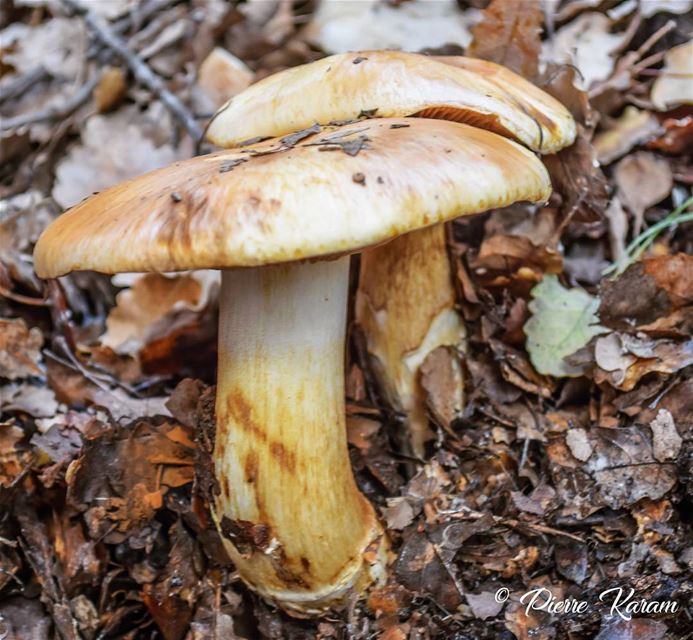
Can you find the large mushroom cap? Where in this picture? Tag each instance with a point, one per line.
(395, 84)
(333, 192)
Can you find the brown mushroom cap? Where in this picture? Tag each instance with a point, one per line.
(395, 84)
(333, 192)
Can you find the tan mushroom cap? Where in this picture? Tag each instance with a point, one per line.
(395, 84)
(333, 192)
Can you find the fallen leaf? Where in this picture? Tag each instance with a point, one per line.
(666, 441)
(643, 179)
(484, 605)
(664, 284)
(634, 629)
(509, 33)
(113, 149)
(587, 43)
(563, 321)
(633, 128)
(579, 444)
(38, 402)
(20, 349)
(152, 306)
(220, 77)
(58, 44)
(623, 359)
(442, 379)
(673, 86)
(371, 24)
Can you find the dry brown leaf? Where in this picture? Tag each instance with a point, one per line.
(664, 284)
(113, 148)
(509, 34)
(623, 360)
(587, 43)
(20, 349)
(632, 129)
(59, 44)
(643, 179)
(220, 77)
(149, 309)
(578, 178)
(674, 85)
(38, 402)
(442, 379)
(371, 24)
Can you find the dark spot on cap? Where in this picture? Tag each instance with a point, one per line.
(359, 178)
(358, 59)
(176, 197)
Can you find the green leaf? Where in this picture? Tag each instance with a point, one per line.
(563, 321)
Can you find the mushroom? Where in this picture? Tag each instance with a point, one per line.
(280, 219)
(406, 301)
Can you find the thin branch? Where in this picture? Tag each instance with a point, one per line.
(17, 86)
(54, 112)
(139, 68)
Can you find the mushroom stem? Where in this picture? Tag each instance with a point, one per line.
(406, 307)
(292, 518)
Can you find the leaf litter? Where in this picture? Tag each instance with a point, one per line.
(561, 455)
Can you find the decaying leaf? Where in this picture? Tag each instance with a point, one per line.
(153, 306)
(674, 86)
(643, 180)
(411, 26)
(563, 321)
(634, 127)
(113, 148)
(509, 34)
(623, 360)
(20, 349)
(587, 43)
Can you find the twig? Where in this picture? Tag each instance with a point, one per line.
(17, 86)
(55, 112)
(139, 68)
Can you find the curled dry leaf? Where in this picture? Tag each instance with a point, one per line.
(58, 44)
(623, 359)
(664, 284)
(411, 26)
(152, 307)
(113, 148)
(20, 349)
(674, 86)
(587, 43)
(666, 441)
(633, 128)
(442, 379)
(509, 33)
(643, 179)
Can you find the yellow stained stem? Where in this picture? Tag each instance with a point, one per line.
(406, 307)
(292, 518)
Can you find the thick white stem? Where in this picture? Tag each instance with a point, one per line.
(294, 522)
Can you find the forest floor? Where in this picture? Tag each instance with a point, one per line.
(570, 468)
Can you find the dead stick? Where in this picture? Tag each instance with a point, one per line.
(55, 112)
(139, 68)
